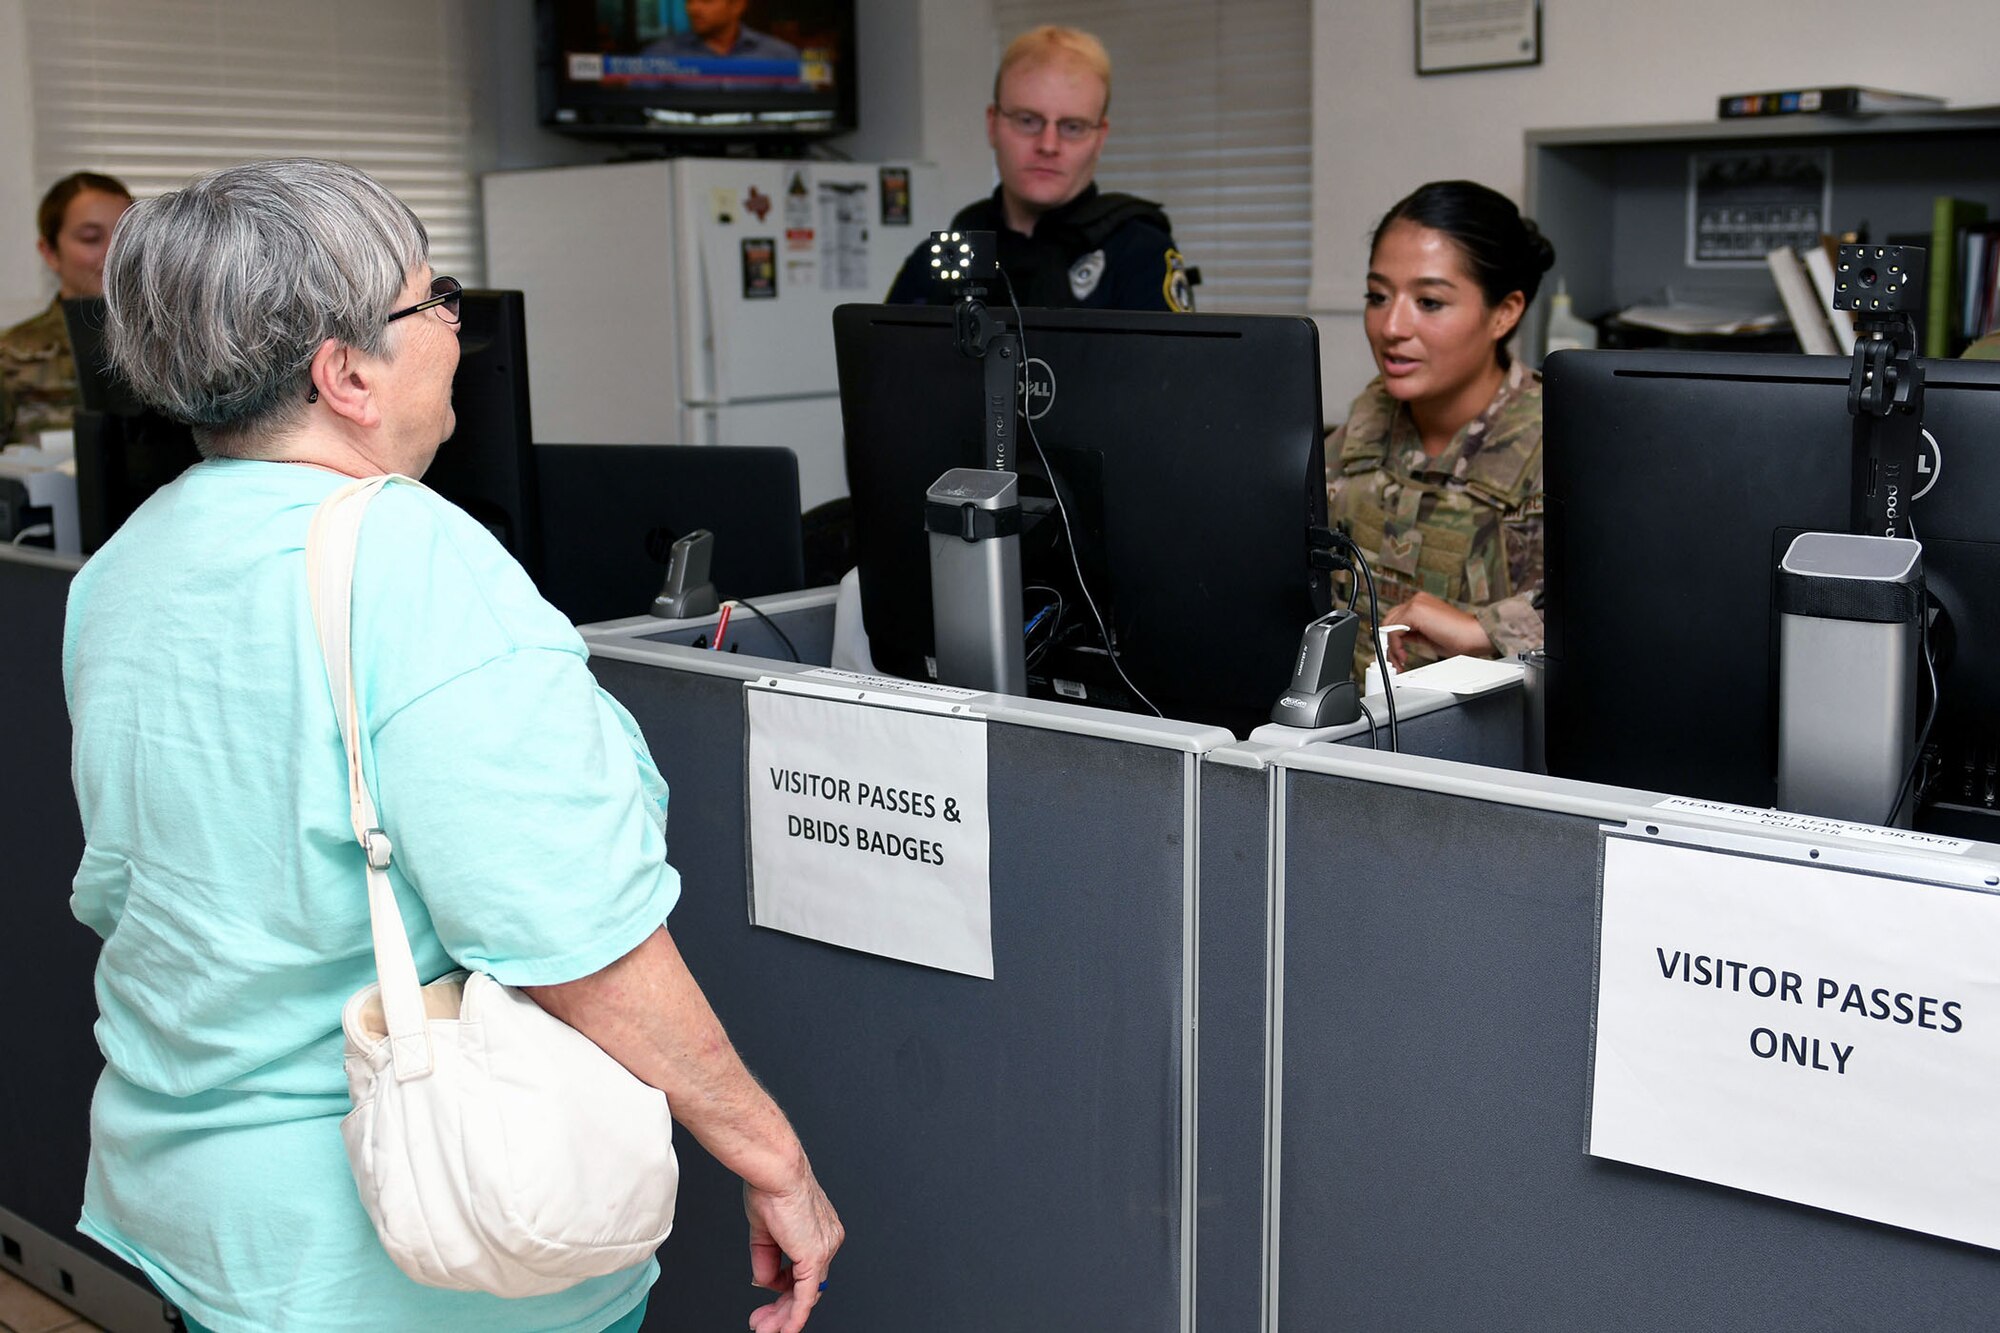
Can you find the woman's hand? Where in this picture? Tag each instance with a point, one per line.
(646, 1012)
(1448, 631)
(798, 1225)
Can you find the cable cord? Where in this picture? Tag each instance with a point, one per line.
(1062, 511)
(1369, 713)
(783, 637)
(1381, 640)
(1054, 612)
(1924, 736)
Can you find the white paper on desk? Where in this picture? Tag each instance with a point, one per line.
(1462, 676)
(868, 826)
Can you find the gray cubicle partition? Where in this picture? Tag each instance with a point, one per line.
(1233, 957)
(46, 961)
(1432, 1009)
(1008, 1154)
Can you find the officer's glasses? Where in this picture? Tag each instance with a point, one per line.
(1030, 124)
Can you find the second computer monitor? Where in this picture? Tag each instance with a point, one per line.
(1189, 452)
(1676, 480)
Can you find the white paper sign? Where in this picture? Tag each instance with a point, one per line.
(1809, 1033)
(1817, 826)
(868, 828)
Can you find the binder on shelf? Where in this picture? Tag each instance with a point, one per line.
(1802, 303)
(1843, 100)
(1979, 262)
(1944, 308)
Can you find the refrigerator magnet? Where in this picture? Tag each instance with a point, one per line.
(760, 268)
(895, 196)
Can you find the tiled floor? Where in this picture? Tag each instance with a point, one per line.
(25, 1310)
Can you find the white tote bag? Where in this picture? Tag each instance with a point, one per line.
(496, 1148)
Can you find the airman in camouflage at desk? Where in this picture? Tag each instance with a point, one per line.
(1465, 526)
(37, 378)
(37, 368)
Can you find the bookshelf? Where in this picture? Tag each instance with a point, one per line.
(1613, 199)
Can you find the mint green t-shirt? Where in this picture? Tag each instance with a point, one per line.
(220, 868)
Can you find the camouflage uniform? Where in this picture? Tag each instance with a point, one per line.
(37, 377)
(1465, 526)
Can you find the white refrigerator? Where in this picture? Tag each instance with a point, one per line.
(690, 301)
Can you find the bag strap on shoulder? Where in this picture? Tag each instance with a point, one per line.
(330, 546)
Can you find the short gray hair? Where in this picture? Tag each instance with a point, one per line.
(218, 295)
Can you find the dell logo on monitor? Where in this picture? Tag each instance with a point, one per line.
(1038, 388)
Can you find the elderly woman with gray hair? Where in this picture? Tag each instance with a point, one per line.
(287, 311)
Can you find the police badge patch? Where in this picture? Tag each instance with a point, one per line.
(1179, 289)
(1085, 273)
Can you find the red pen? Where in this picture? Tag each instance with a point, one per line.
(721, 626)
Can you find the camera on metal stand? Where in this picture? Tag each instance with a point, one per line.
(1853, 608)
(973, 515)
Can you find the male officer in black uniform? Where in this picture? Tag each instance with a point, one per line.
(1063, 242)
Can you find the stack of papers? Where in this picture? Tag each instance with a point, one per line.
(1462, 676)
(1697, 319)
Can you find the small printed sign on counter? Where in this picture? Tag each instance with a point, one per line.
(868, 826)
(1803, 1031)
(1816, 826)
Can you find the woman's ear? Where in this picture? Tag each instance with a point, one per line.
(345, 383)
(1506, 314)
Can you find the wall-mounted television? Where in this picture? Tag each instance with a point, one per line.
(707, 69)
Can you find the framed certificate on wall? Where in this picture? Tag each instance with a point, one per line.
(1458, 35)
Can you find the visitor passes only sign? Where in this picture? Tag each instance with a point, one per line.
(868, 821)
(1817, 1034)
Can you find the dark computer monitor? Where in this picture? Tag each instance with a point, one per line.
(124, 450)
(1675, 482)
(487, 467)
(1189, 448)
(610, 514)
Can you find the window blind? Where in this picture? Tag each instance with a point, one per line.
(1211, 115)
(157, 91)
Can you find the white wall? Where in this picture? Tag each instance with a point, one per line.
(25, 282)
(959, 51)
(925, 67)
(1379, 130)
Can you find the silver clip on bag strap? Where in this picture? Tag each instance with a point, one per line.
(330, 548)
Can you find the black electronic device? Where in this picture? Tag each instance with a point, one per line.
(628, 71)
(99, 388)
(1188, 449)
(1874, 280)
(688, 591)
(124, 450)
(612, 513)
(963, 262)
(1322, 692)
(487, 467)
(1675, 483)
(1883, 286)
(20, 516)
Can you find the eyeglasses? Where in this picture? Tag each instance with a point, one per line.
(1030, 124)
(444, 298)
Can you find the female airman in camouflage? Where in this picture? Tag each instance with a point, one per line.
(1437, 473)
(37, 371)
